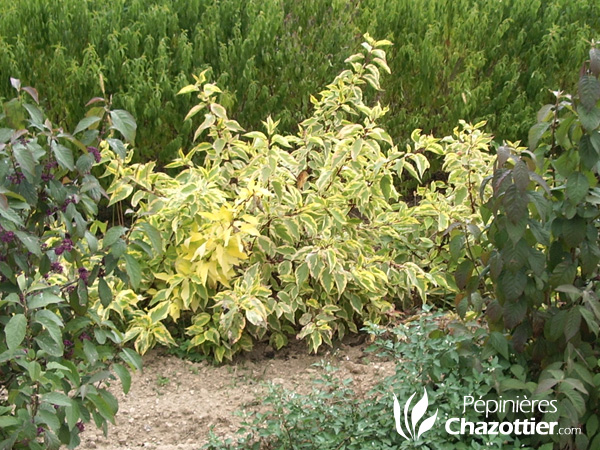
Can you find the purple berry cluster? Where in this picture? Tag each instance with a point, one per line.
(68, 201)
(56, 267)
(68, 348)
(65, 246)
(95, 152)
(52, 164)
(7, 236)
(47, 175)
(16, 178)
(63, 208)
(84, 274)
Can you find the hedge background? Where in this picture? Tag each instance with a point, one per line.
(464, 59)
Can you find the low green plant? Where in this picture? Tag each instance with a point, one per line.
(57, 355)
(162, 381)
(429, 356)
(184, 350)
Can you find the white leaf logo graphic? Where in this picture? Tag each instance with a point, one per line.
(427, 424)
(419, 411)
(416, 415)
(406, 413)
(397, 417)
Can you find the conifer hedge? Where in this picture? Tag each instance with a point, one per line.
(465, 59)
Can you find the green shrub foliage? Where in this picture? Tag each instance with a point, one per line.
(279, 235)
(538, 264)
(468, 59)
(57, 355)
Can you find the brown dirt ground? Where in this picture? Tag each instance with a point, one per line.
(174, 403)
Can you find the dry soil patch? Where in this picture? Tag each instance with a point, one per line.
(174, 403)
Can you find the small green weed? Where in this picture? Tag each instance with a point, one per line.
(162, 381)
(183, 350)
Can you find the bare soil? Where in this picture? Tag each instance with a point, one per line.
(174, 403)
